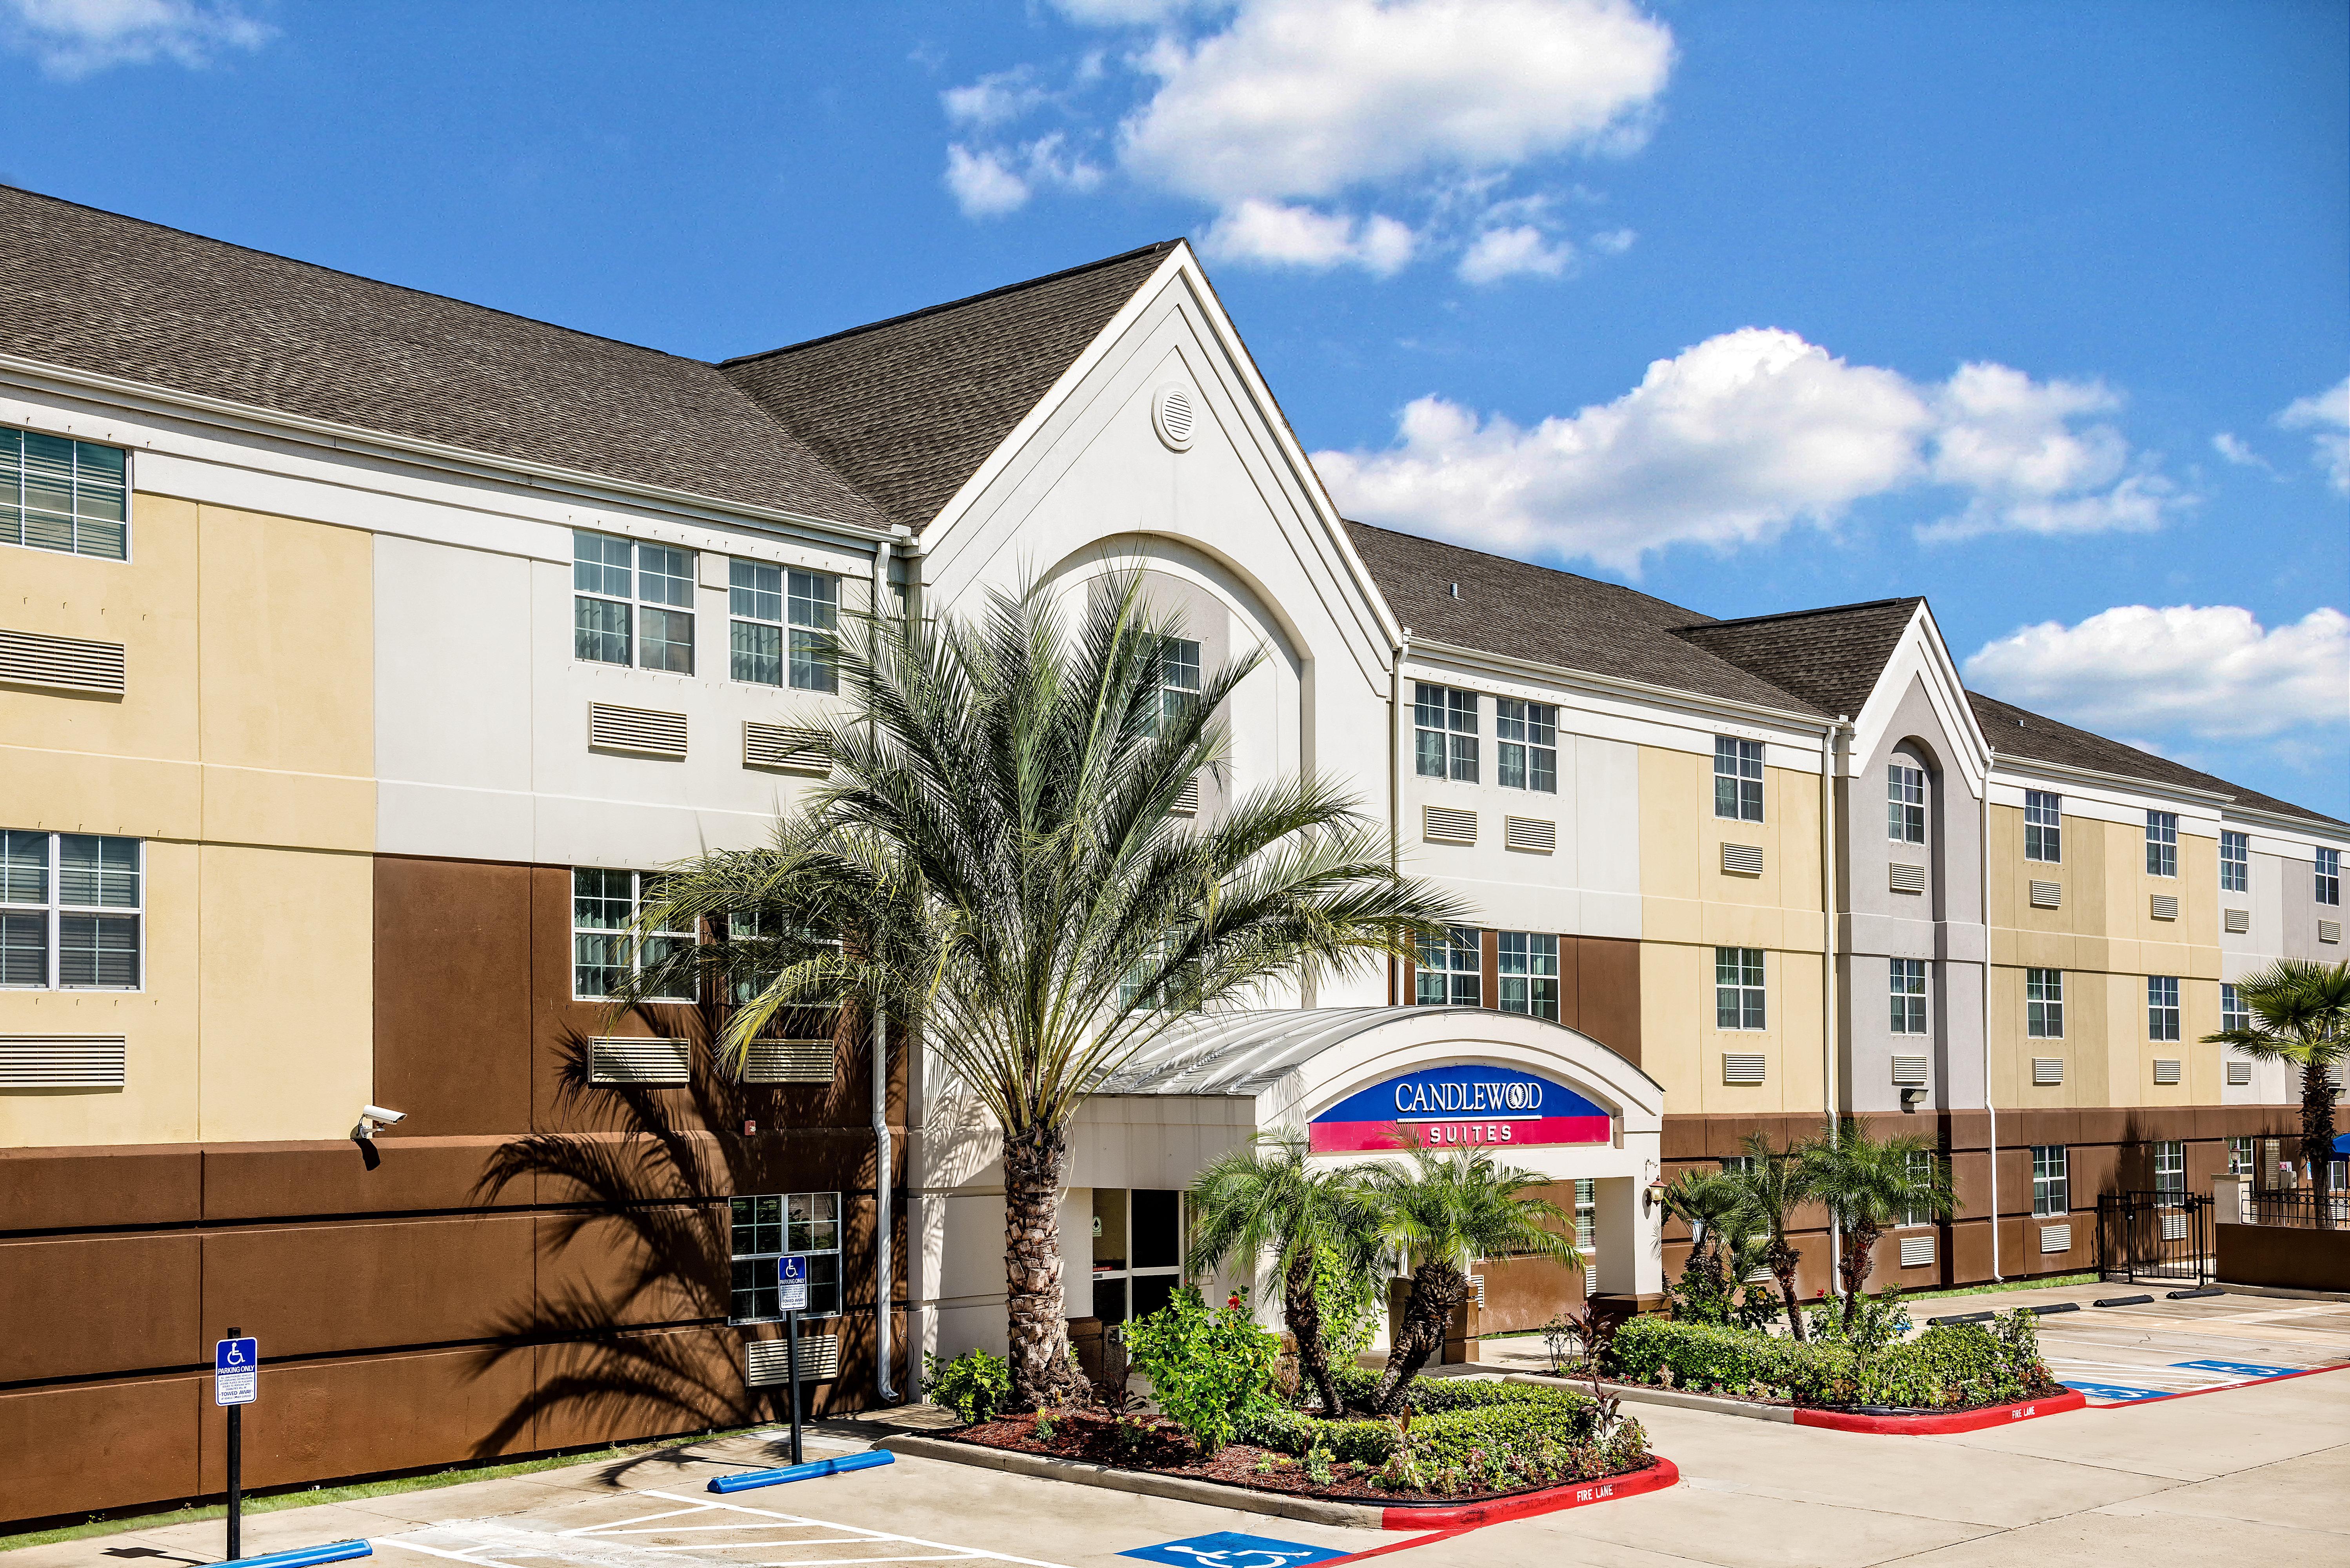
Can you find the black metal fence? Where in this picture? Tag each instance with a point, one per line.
(2299, 1207)
(2154, 1236)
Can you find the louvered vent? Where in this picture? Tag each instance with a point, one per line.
(1175, 417)
(2166, 1069)
(1904, 878)
(2173, 1227)
(1757, 1273)
(1443, 825)
(2162, 906)
(1477, 1290)
(789, 1061)
(1530, 835)
(766, 1363)
(2238, 920)
(646, 731)
(1909, 1072)
(66, 663)
(1742, 859)
(1741, 1067)
(612, 1060)
(784, 747)
(62, 1062)
(1917, 1252)
(2047, 895)
(2056, 1237)
(1187, 799)
(2329, 930)
(2240, 1073)
(2047, 1072)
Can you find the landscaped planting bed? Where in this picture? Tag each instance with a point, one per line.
(1949, 1366)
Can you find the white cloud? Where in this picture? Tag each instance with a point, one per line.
(1275, 235)
(989, 181)
(2211, 672)
(2233, 450)
(1514, 252)
(2328, 413)
(75, 38)
(1613, 242)
(993, 100)
(2015, 443)
(1131, 13)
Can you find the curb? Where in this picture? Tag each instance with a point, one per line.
(1661, 1475)
(1932, 1423)
(1675, 1398)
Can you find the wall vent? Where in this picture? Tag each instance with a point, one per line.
(2047, 895)
(1530, 835)
(1902, 876)
(62, 1062)
(2047, 1072)
(2173, 1227)
(632, 1060)
(2329, 930)
(786, 748)
(2056, 1237)
(766, 1363)
(2240, 1073)
(1742, 859)
(789, 1061)
(2162, 906)
(2166, 1069)
(2238, 920)
(1909, 1072)
(1917, 1252)
(1187, 799)
(64, 663)
(1444, 825)
(1174, 417)
(648, 731)
(1477, 1290)
(1741, 1067)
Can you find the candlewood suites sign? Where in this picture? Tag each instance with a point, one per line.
(1453, 1107)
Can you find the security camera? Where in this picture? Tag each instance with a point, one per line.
(372, 1118)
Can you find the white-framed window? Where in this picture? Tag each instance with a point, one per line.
(1178, 675)
(604, 955)
(2233, 1014)
(2050, 1189)
(2162, 1007)
(1905, 804)
(1529, 973)
(782, 625)
(2044, 826)
(59, 494)
(1737, 779)
(2242, 1159)
(2043, 1004)
(1737, 1002)
(1138, 1250)
(1921, 1166)
(2162, 843)
(2235, 862)
(71, 911)
(766, 1227)
(812, 603)
(2329, 876)
(1451, 973)
(1444, 731)
(632, 603)
(1525, 745)
(2170, 1166)
(1587, 1226)
(1908, 996)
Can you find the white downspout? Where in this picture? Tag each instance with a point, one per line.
(1991, 1100)
(1829, 1011)
(883, 1163)
(1396, 735)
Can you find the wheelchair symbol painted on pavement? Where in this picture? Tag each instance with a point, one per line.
(1230, 1549)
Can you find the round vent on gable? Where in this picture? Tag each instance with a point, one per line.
(1174, 415)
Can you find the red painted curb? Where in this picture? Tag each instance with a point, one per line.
(1657, 1477)
(1932, 1423)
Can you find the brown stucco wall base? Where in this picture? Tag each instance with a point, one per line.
(2284, 1256)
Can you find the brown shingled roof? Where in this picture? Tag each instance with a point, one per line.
(910, 408)
(1830, 658)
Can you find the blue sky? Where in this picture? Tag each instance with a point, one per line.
(2040, 310)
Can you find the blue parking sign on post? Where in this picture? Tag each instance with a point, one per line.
(237, 1371)
(791, 1282)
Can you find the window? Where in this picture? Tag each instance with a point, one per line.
(813, 600)
(1910, 996)
(2050, 1193)
(2170, 1166)
(1737, 779)
(2043, 826)
(78, 929)
(2162, 843)
(755, 601)
(2162, 1007)
(1138, 1254)
(1738, 988)
(1450, 972)
(608, 576)
(772, 1224)
(1528, 737)
(604, 904)
(2329, 876)
(2242, 1160)
(1905, 804)
(1530, 973)
(57, 493)
(2233, 1014)
(1178, 675)
(1921, 1168)
(2043, 1004)
(1587, 1217)
(1444, 725)
(2235, 863)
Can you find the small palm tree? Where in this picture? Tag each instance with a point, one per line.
(996, 862)
(1441, 1211)
(1712, 1206)
(1773, 1183)
(2301, 1014)
(1871, 1185)
(1266, 1203)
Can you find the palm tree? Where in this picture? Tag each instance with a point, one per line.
(1871, 1185)
(1265, 1201)
(1442, 1210)
(2301, 1014)
(996, 862)
(1773, 1183)
(1712, 1206)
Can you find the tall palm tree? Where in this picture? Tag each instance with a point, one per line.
(1443, 1210)
(1266, 1203)
(1772, 1184)
(995, 861)
(1871, 1185)
(2301, 1014)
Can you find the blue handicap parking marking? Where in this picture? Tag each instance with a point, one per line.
(2240, 1368)
(1230, 1549)
(2115, 1392)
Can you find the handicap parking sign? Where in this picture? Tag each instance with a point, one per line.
(237, 1371)
(791, 1282)
(1230, 1549)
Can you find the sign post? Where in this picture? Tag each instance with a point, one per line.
(791, 1294)
(236, 1383)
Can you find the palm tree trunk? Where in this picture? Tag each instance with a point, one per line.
(1436, 1289)
(1304, 1314)
(1037, 1332)
(1784, 1259)
(2317, 1134)
(1860, 1250)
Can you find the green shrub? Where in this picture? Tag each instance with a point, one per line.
(975, 1384)
(1205, 1366)
(1463, 1435)
(1947, 1367)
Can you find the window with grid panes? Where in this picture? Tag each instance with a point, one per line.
(2235, 862)
(754, 606)
(2051, 1188)
(1178, 675)
(605, 954)
(1525, 740)
(2044, 826)
(2043, 1004)
(1444, 731)
(1586, 1225)
(1921, 1166)
(1529, 973)
(1738, 988)
(2162, 843)
(1450, 974)
(59, 494)
(2233, 1014)
(1737, 779)
(2170, 1166)
(2329, 876)
(2242, 1159)
(1905, 804)
(1909, 993)
(768, 1226)
(632, 603)
(2162, 1007)
(70, 906)
(812, 604)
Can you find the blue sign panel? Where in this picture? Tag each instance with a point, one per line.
(2240, 1368)
(791, 1282)
(1230, 1549)
(1451, 1107)
(237, 1371)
